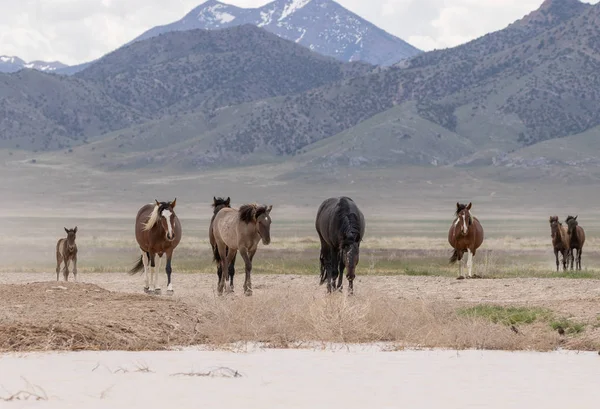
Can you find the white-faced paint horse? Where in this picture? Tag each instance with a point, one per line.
(158, 232)
(240, 230)
(66, 251)
(341, 227)
(465, 235)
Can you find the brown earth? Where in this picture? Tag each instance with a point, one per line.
(109, 311)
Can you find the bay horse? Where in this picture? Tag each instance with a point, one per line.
(66, 251)
(576, 240)
(341, 227)
(465, 235)
(234, 230)
(560, 241)
(218, 204)
(158, 232)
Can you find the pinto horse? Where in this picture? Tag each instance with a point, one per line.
(218, 204)
(240, 230)
(341, 227)
(576, 240)
(158, 232)
(66, 251)
(465, 235)
(560, 241)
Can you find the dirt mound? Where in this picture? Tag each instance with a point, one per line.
(71, 316)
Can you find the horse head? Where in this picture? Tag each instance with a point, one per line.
(165, 215)
(350, 254)
(71, 235)
(219, 203)
(572, 224)
(464, 219)
(263, 223)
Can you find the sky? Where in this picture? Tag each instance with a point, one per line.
(76, 31)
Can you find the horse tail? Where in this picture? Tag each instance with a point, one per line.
(454, 257)
(139, 266)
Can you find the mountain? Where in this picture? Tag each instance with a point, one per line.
(320, 25)
(14, 64)
(464, 112)
(173, 74)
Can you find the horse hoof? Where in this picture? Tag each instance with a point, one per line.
(460, 278)
(157, 291)
(170, 292)
(248, 293)
(147, 290)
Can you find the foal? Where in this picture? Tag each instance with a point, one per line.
(560, 241)
(576, 240)
(66, 251)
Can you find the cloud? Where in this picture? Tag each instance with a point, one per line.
(74, 31)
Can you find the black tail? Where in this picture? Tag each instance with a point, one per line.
(137, 268)
(454, 257)
(216, 255)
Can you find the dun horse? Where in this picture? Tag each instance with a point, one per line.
(341, 227)
(158, 232)
(576, 240)
(560, 241)
(218, 204)
(465, 235)
(66, 251)
(240, 230)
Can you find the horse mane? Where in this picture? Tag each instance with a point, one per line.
(219, 201)
(571, 219)
(154, 216)
(249, 212)
(460, 208)
(350, 222)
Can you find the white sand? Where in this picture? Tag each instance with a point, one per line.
(355, 377)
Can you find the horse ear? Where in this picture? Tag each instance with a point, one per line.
(469, 206)
(228, 201)
(576, 217)
(214, 199)
(75, 229)
(269, 209)
(173, 203)
(457, 205)
(66, 230)
(156, 201)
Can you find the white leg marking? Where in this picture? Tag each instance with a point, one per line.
(470, 262)
(152, 272)
(170, 287)
(158, 263)
(460, 263)
(146, 261)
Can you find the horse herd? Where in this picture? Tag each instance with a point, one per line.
(340, 226)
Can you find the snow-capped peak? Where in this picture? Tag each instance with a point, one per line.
(292, 6)
(215, 13)
(14, 64)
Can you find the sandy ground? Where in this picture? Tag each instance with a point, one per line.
(579, 298)
(349, 377)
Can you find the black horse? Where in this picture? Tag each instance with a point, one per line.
(218, 204)
(341, 228)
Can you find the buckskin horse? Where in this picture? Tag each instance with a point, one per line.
(341, 228)
(218, 204)
(158, 232)
(240, 230)
(465, 235)
(66, 251)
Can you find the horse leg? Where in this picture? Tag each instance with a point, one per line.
(565, 254)
(232, 268)
(332, 270)
(75, 268)
(169, 270)
(247, 257)
(470, 263)
(579, 258)
(222, 249)
(59, 260)
(158, 260)
(572, 258)
(66, 269)
(340, 282)
(556, 257)
(152, 272)
(146, 261)
(460, 263)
